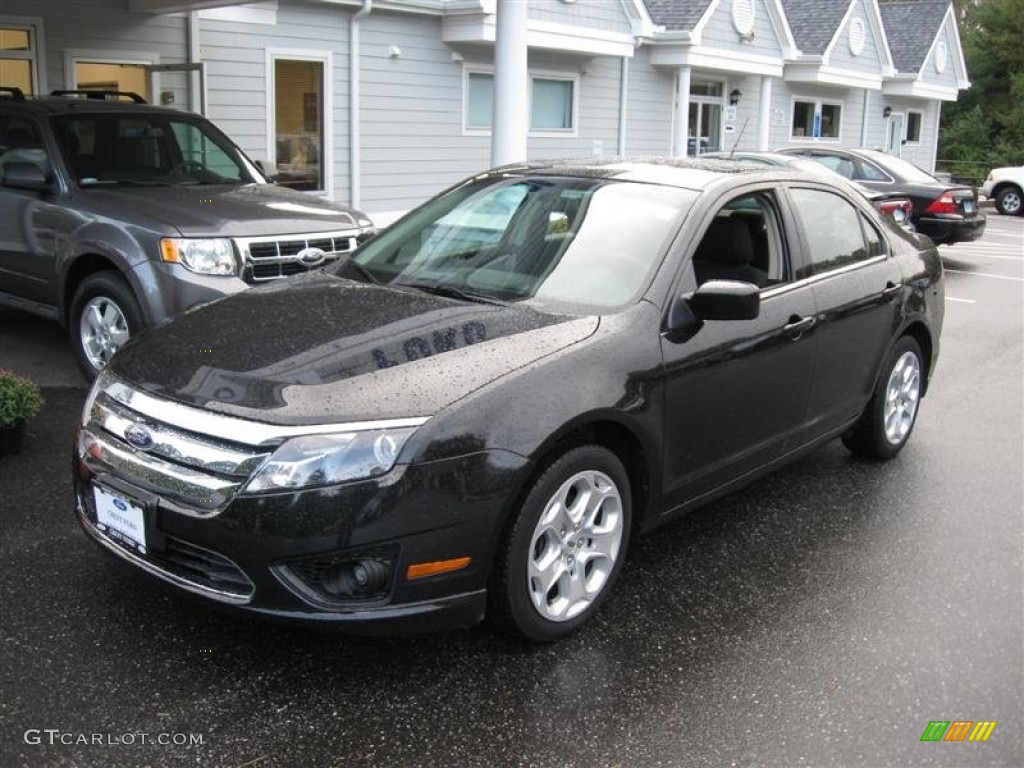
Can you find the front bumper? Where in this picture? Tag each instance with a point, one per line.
(247, 555)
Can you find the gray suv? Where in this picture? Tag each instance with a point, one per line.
(115, 216)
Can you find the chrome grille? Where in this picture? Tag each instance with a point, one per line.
(271, 258)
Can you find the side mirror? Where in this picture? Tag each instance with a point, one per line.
(22, 175)
(713, 300)
(726, 300)
(271, 177)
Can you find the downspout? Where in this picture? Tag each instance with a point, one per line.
(623, 99)
(865, 118)
(354, 193)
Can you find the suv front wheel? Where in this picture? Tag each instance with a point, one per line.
(104, 315)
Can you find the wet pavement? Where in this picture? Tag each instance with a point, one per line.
(822, 616)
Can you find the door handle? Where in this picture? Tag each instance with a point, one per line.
(797, 325)
(891, 289)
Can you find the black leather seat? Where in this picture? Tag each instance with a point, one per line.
(727, 253)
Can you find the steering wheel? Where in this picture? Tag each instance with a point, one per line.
(187, 168)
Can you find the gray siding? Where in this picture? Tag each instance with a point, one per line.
(783, 94)
(598, 108)
(606, 15)
(649, 107)
(869, 60)
(236, 75)
(720, 33)
(948, 77)
(921, 153)
(412, 142)
(100, 25)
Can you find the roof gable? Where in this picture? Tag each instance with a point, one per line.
(814, 22)
(676, 15)
(912, 26)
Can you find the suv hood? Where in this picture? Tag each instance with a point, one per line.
(249, 210)
(321, 349)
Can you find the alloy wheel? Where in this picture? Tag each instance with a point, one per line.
(103, 330)
(902, 395)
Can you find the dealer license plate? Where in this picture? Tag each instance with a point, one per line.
(120, 518)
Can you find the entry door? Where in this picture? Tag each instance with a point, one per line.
(894, 138)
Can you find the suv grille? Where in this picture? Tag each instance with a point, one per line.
(271, 258)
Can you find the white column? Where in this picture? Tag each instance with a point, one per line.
(511, 85)
(865, 118)
(764, 119)
(681, 132)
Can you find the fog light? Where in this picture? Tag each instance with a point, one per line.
(361, 578)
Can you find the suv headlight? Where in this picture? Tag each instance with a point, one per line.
(315, 460)
(204, 256)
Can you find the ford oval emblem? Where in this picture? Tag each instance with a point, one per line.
(120, 505)
(139, 436)
(311, 257)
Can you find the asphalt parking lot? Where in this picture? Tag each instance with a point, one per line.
(823, 616)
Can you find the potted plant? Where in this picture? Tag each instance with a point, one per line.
(20, 400)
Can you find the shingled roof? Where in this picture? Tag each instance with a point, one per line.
(911, 27)
(814, 22)
(676, 15)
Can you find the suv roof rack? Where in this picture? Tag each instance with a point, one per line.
(104, 95)
(11, 93)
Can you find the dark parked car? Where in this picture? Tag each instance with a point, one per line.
(898, 207)
(512, 381)
(115, 215)
(946, 213)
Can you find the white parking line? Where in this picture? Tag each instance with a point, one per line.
(985, 274)
(961, 301)
(978, 253)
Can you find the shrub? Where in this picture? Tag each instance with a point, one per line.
(20, 398)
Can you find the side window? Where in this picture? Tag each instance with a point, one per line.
(744, 242)
(836, 164)
(21, 142)
(832, 229)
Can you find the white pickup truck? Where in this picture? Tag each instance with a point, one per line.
(1006, 187)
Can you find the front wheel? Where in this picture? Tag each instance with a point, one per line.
(104, 315)
(563, 553)
(889, 418)
(1009, 201)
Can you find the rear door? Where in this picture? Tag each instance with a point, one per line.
(857, 290)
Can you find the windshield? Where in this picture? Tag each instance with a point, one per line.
(583, 244)
(148, 149)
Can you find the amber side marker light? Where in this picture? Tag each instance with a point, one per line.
(423, 570)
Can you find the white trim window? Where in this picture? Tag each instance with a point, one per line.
(299, 128)
(554, 103)
(816, 119)
(914, 122)
(20, 54)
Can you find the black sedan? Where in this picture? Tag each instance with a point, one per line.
(946, 213)
(479, 410)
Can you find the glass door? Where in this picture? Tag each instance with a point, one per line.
(705, 124)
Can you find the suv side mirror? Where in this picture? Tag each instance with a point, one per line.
(22, 175)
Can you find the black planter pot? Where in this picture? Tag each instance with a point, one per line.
(12, 439)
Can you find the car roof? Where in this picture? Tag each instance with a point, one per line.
(686, 173)
(54, 105)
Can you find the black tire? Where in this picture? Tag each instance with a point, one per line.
(114, 295)
(1010, 201)
(511, 607)
(868, 437)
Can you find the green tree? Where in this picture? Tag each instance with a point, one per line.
(986, 125)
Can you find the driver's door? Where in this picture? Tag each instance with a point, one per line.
(736, 392)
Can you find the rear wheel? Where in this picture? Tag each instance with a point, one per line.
(888, 420)
(564, 551)
(1010, 201)
(104, 315)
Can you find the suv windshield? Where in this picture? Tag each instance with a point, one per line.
(583, 244)
(150, 149)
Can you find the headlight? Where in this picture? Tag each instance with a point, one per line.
(315, 460)
(213, 256)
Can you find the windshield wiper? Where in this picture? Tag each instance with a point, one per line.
(451, 292)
